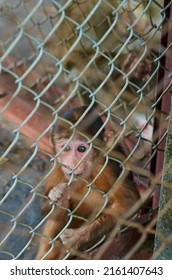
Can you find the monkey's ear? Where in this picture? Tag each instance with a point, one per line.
(109, 138)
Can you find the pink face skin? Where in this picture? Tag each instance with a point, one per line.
(72, 154)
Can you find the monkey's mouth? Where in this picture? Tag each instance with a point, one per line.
(74, 175)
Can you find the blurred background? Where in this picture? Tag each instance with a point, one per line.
(114, 56)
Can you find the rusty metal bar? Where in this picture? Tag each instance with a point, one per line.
(163, 106)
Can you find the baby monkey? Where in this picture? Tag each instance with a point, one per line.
(83, 187)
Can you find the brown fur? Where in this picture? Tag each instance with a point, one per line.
(100, 220)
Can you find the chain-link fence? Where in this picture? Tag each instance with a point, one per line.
(110, 56)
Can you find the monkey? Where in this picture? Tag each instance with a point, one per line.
(84, 186)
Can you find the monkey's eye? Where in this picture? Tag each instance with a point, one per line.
(67, 149)
(81, 149)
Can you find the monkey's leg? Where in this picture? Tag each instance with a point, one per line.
(56, 248)
(54, 224)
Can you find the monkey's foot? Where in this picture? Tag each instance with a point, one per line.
(74, 238)
(67, 236)
(58, 193)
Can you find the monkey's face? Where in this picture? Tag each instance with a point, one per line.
(76, 158)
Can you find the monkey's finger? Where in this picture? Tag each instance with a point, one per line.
(57, 192)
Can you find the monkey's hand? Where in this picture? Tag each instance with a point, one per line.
(59, 194)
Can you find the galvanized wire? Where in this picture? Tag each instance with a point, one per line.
(50, 69)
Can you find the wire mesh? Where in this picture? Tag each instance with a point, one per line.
(113, 56)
